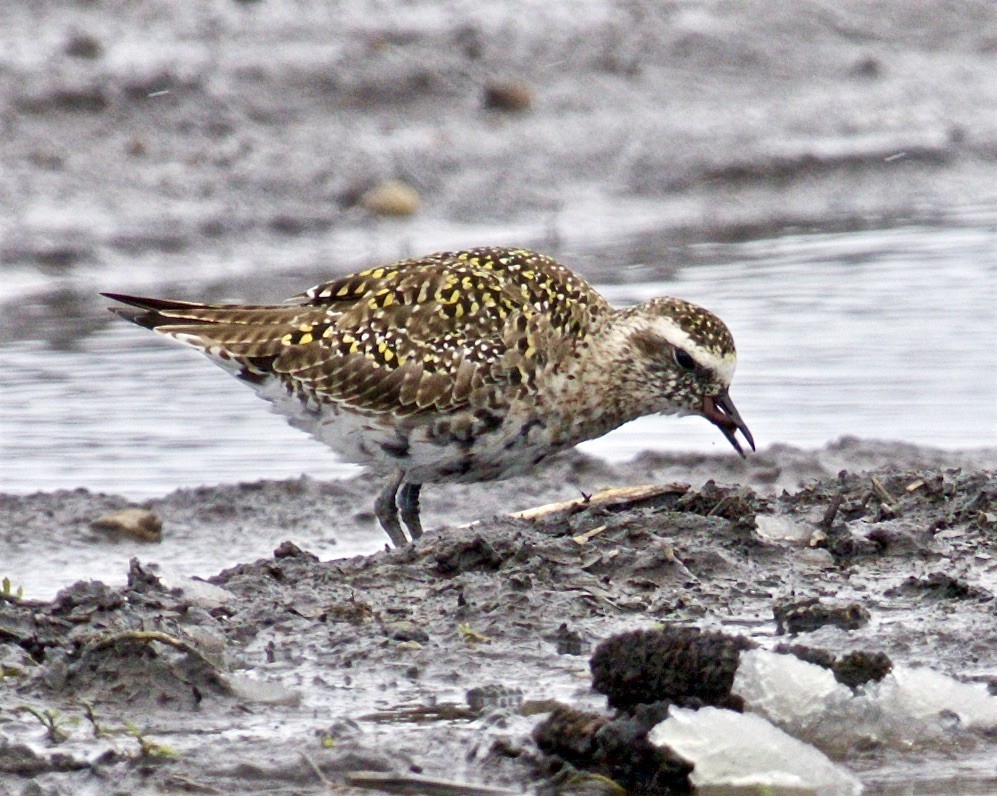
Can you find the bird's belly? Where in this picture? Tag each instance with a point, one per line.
(464, 447)
(511, 449)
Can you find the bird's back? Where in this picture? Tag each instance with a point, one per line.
(427, 335)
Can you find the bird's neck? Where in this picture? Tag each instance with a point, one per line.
(605, 386)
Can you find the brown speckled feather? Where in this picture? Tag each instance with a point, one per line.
(418, 335)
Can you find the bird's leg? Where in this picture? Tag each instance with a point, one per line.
(386, 511)
(408, 507)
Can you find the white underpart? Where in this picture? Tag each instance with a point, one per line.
(678, 337)
(359, 438)
(349, 434)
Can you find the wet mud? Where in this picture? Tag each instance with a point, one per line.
(241, 145)
(467, 656)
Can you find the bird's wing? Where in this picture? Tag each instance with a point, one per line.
(419, 335)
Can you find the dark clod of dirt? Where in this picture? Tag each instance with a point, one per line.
(569, 734)
(291, 550)
(857, 668)
(852, 669)
(803, 616)
(406, 631)
(86, 597)
(942, 586)
(618, 749)
(493, 697)
(140, 578)
(454, 556)
(814, 655)
(568, 642)
(144, 673)
(737, 504)
(83, 45)
(683, 665)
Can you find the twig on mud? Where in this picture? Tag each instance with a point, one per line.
(880, 490)
(318, 771)
(88, 711)
(723, 503)
(441, 711)
(832, 511)
(471, 636)
(622, 496)
(414, 783)
(584, 538)
(598, 782)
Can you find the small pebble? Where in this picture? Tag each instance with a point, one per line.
(140, 523)
(83, 45)
(391, 198)
(406, 631)
(511, 96)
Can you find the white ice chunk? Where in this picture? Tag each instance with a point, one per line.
(735, 750)
(788, 691)
(907, 706)
(924, 695)
(199, 592)
(773, 526)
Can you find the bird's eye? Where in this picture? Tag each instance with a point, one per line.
(684, 359)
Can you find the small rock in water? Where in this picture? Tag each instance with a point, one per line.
(511, 96)
(493, 697)
(140, 523)
(803, 616)
(83, 45)
(857, 668)
(406, 631)
(391, 198)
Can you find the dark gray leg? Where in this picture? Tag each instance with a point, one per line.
(386, 511)
(408, 506)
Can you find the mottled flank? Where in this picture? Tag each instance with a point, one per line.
(461, 366)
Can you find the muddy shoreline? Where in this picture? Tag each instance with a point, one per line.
(226, 153)
(248, 680)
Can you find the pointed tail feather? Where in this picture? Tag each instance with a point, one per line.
(234, 336)
(153, 303)
(152, 312)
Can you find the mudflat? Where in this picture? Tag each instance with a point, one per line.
(439, 660)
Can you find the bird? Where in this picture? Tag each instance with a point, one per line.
(460, 366)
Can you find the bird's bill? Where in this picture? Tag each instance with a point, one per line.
(720, 410)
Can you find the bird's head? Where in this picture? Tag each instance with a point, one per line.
(689, 355)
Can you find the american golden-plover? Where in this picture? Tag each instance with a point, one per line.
(461, 366)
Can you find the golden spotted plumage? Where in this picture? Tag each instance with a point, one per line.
(463, 365)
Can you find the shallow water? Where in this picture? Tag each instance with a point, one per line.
(879, 334)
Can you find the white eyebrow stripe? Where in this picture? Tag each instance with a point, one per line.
(678, 337)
